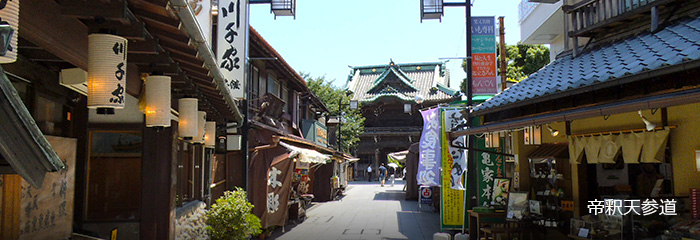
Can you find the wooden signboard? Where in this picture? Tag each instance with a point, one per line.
(47, 213)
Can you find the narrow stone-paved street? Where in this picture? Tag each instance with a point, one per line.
(367, 211)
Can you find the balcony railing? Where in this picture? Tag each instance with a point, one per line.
(525, 8)
(588, 17)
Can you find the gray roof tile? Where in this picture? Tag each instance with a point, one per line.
(671, 46)
(421, 76)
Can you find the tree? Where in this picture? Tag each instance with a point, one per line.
(522, 60)
(353, 123)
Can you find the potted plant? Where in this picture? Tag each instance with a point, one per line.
(231, 218)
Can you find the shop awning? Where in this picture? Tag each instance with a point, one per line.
(635, 147)
(22, 145)
(398, 156)
(306, 155)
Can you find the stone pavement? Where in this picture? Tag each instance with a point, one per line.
(367, 211)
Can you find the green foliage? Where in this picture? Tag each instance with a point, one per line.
(522, 60)
(353, 122)
(231, 218)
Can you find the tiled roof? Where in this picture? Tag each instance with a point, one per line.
(403, 81)
(673, 45)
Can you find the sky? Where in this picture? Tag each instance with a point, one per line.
(327, 36)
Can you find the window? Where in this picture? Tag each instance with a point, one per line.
(262, 85)
(273, 86)
(285, 98)
(114, 175)
(294, 99)
(255, 83)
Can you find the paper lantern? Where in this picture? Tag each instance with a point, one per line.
(187, 126)
(210, 137)
(201, 127)
(10, 14)
(283, 7)
(157, 101)
(431, 9)
(106, 71)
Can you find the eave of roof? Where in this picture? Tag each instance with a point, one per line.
(23, 145)
(426, 78)
(408, 82)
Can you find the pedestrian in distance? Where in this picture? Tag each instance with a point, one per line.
(369, 173)
(392, 175)
(382, 174)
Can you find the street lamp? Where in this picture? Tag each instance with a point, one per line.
(471, 160)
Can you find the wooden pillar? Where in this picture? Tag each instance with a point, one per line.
(11, 204)
(198, 175)
(159, 171)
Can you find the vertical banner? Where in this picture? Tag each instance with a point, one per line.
(202, 11)
(489, 166)
(484, 80)
(231, 49)
(451, 200)
(429, 158)
(453, 117)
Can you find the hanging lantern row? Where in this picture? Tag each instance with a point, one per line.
(201, 123)
(157, 101)
(9, 27)
(106, 72)
(107, 86)
(187, 126)
(210, 136)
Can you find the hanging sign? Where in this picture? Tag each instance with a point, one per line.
(232, 31)
(484, 80)
(47, 212)
(452, 200)
(429, 149)
(202, 12)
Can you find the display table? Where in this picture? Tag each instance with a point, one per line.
(477, 220)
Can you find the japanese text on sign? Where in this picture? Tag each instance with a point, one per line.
(483, 45)
(231, 45)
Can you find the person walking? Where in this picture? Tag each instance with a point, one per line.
(382, 174)
(369, 172)
(392, 175)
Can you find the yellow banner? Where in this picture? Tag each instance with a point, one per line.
(452, 201)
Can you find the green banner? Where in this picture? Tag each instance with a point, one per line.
(489, 166)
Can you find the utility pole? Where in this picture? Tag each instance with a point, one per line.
(502, 39)
(472, 185)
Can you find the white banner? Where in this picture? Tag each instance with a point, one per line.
(453, 117)
(429, 158)
(231, 49)
(202, 11)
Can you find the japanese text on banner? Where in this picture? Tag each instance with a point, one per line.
(231, 44)
(429, 158)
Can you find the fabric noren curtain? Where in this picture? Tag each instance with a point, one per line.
(644, 147)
